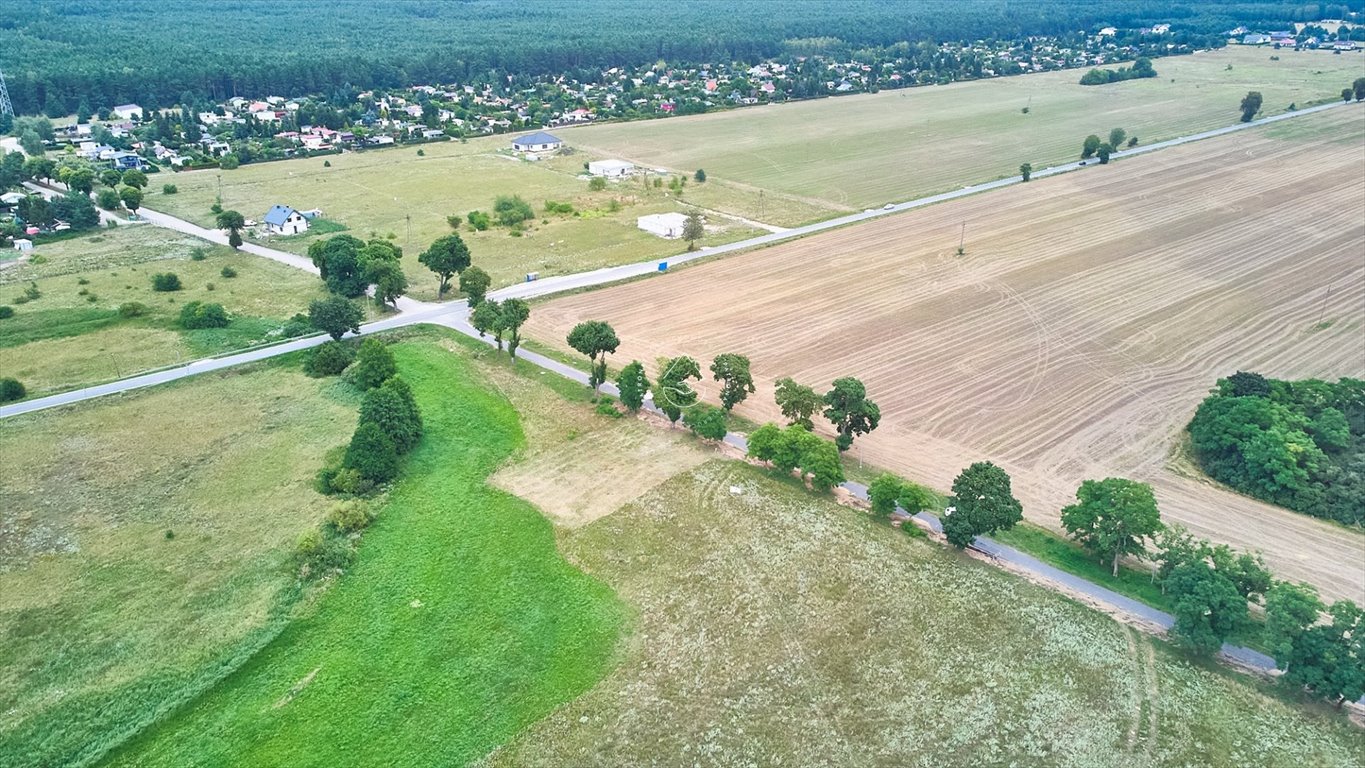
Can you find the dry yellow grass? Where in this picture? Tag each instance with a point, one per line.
(1089, 316)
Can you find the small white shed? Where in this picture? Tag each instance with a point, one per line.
(611, 169)
(23, 245)
(665, 225)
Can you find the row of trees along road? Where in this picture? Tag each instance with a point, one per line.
(1210, 587)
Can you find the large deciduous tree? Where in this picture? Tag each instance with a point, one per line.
(798, 402)
(131, 197)
(982, 503)
(849, 410)
(1206, 605)
(1290, 609)
(732, 371)
(1113, 517)
(447, 256)
(1329, 659)
(596, 339)
(335, 316)
(388, 279)
(1251, 104)
(234, 222)
(693, 230)
(1090, 146)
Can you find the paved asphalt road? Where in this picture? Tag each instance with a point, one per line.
(455, 316)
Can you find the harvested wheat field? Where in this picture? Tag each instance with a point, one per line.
(1073, 340)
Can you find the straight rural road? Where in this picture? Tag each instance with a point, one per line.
(453, 314)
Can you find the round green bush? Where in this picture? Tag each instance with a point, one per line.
(329, 359)
(6, 311)
(228, 272)
(197, 314)
(163, 282)
(11, 389)
(132, 309)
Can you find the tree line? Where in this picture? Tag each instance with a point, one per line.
(105, 54)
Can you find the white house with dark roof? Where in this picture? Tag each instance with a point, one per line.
(283, 220)
(537, 142)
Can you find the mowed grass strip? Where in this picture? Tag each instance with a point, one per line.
(459, 624)
(866, 150)
(779, 628)
(73, 335)
(141, 558)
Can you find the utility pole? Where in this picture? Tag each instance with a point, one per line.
(961, 241)
(6, 108)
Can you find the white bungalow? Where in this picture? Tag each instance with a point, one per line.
(537, 142)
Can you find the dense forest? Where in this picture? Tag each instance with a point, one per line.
(1299, 444)
(60, 54)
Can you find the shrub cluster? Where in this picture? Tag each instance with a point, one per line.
(164, 282)
(390, 425)
(329, 359)
(11, 389)
(197, 314)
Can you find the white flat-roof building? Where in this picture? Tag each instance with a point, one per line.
(611, 169)
(665, 225)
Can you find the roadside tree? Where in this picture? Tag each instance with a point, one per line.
(1251, 104)
(693, 230)
(388, 279)
(883, 493)
(596, 339)
(1116, 137)
(1026, 171)
(1290, 610)
(982, 503)
(1113, 517)
(488, 318)
(732, 371)
(1090, 146)
(447, 256)
(233, 222)
(335, 316)
(706, 421)
(1329, 659)
(797, 402)
(474, 283)
(515, 312)
(1206, 605)
(849, 410)
(673, 393)
(632, 384)
(131, 197)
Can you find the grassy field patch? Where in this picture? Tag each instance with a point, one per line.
(396, 194)
(140, 559)
(866, 150)
(459, 625)
(73, 334)
(778, 628)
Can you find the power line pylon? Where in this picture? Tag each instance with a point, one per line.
(6, 108)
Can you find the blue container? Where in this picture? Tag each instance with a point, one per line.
(663, 266)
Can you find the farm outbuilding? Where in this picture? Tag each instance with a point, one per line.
(665, 225)
(611, 169)
(537, 142)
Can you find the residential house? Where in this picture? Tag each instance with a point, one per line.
(283, 220)
(537, 142)
(127, 161)
(1255, 39)
(1344, 45)
(128, 112)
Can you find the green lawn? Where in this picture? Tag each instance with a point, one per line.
(778, 628)
(459, 625)
(106, 620)
(74, 336)
(395, 192)
(866, 150)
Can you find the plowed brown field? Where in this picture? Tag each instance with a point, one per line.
(1091, 313)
